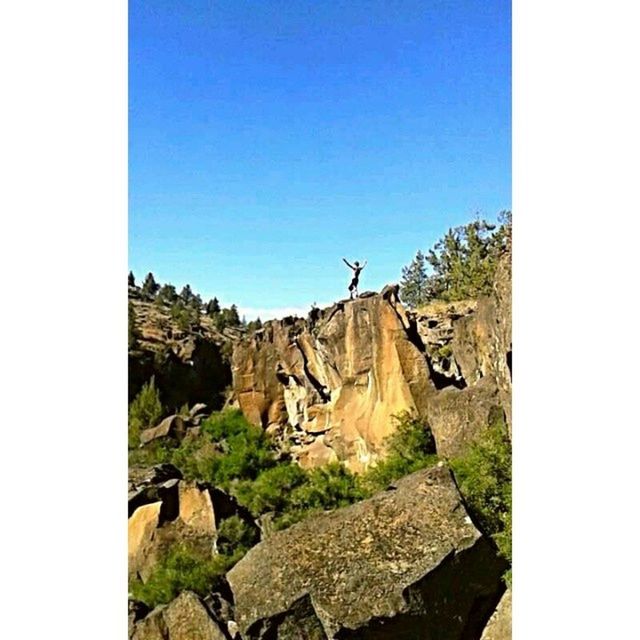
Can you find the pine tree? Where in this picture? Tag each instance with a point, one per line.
(213, 307)
(145, 411)
(186, 295)
(132, 280)
(167, 293)
(133, 332)
(150, 286)
(196, 302)
(463, 262)
(414, 284)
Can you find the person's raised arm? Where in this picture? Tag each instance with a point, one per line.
(365, 264)
(348, 265)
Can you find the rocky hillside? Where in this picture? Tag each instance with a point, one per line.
(190, 364)
(353, 491)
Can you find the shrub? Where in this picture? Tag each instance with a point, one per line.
(409, 448)
(271, 490)
(228, 450)
(235, 537)
(156, 452)
(247, 449)
(328, 487)
(182, 567)
(144, 411)
(484, 477)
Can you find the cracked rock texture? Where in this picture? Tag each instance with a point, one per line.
(407, 563)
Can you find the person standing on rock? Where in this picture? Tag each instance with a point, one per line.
(356, 276)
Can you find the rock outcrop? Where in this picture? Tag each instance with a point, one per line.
(185, 618)
(407, 563)
(328, 387)
(499, 626)
(165, 509)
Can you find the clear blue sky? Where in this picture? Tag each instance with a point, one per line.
(268, 139)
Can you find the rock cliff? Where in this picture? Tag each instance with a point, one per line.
(328, 386)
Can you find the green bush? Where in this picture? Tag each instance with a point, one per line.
(271, 490)
(409, 448)
(484, 478)
(328, 487)
(246, 449)
(144, 411)
(181, 567)
(228, 450)
(235, 537)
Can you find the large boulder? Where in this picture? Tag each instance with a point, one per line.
(142, 528)
(458, 416)
(183, 513)
(165, 510)
(184, 618)
(407, 563)
(499, 626)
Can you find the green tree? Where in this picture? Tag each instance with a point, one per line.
(465, 260)
(132, 280)
(133, 331)
(167, 293)
(254, 325)
(150, 286)
(414, 287)
(227, 318)
(196, 302)
(184, 316)
(145, 411)
(213, 307)
(186, 295)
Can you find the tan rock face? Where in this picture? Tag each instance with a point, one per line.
(406, 559)
(196, 509)
(142, 529)
(343, 377)
(181, 511)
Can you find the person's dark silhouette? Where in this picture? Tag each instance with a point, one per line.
(356, 276)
